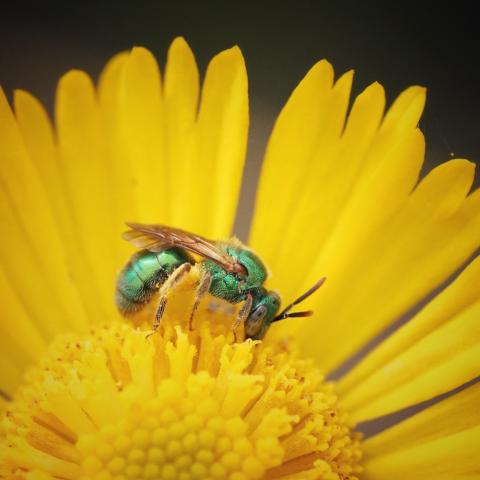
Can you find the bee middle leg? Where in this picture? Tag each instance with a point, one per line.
(176, 276)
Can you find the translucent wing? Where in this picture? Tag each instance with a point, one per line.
(158, 237)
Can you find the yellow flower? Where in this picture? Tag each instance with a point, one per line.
(88, 395)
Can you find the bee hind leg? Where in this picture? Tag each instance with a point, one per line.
(202, 289)
(176, 276)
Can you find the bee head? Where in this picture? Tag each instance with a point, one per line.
(264, 308)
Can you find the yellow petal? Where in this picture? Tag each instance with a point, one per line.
(86, 170)
(222, 140)
(406, 110)
(461, 294)
(143, 135)
(111, 96)
(289, 154)
(159, 144)
(453, 179)
(20, 338)
(37, 134)
(451, 458)
(181, 94)
(382, 175)
(11, 376)
(455, 414)
(325, 193)
(32, 253)
(36, 131)
(444, 359)
(411, 253)
(389, 173)
(34, 293)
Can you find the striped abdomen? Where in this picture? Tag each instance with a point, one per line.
(144, 274)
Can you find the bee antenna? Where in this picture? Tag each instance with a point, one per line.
(284, 313)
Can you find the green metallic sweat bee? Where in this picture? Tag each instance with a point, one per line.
(228, 271)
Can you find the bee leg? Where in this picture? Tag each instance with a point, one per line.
(176, 276)
(202, 288)
(242, 315)
(162, 303)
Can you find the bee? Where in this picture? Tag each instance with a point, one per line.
(229, 271)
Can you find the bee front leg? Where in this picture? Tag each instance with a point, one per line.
(174, 278)
(242, 315)
(202, 289)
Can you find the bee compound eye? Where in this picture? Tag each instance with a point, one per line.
(258, 314)
(254, 323)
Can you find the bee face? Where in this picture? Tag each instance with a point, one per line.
(255, 321)
(265, 306)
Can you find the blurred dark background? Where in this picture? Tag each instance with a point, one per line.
(396, 43)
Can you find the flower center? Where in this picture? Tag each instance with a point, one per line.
(118, 404)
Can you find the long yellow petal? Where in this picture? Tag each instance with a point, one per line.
(454, 457)
(410, 254)
(462, 293)
(143, 115)
(181, 94)
(84, 166)
(37, 134)
(380, 176)
(33, 292)
(406, 110)
(441, 361)
(455, 414)
(111, 98)
(290, 150)
(453, 179)
(324, 162)
(389, 174)
(20, 338)
(31, 251)
(11, 375)
(222, 140)
(324, 195)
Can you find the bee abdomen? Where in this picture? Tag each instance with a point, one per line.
(127, 304)
(134, 288)
(143, 275)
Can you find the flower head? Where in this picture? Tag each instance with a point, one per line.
(177, 405)
(339, 195)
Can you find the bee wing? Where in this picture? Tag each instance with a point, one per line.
(158, 237)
